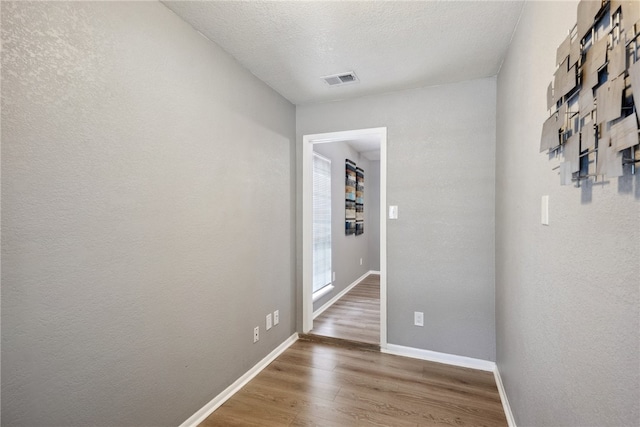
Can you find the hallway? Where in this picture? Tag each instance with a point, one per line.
(355, 316)
(319, 384)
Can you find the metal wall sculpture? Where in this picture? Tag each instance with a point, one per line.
(593, 121)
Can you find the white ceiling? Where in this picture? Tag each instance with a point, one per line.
(391, 45)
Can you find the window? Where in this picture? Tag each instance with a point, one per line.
(321, 223)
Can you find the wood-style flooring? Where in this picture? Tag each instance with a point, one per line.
(320, 384)
(355, 316)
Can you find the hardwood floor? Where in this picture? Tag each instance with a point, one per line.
(355, 316)
(323, 381)
(320, 384)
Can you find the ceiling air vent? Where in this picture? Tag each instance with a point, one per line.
(341, 79)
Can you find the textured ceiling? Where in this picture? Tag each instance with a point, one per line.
(390, 45)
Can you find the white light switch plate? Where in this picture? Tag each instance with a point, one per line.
(393, 212)
(544, 212)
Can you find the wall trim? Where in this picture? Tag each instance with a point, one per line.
(227, 393)
(434, 356)
(511, 421)
(333, 300)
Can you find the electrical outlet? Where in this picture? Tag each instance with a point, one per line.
(256, 334)
(268, 321)
(360, 261)
(276, 317)
(334, 276)
(418, 318)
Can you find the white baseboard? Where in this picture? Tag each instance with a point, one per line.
(434, 356)
(374, 272)
(333, 300)
(463, 361)
(503, 397)
(217, 401)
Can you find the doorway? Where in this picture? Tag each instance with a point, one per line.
(380, 136)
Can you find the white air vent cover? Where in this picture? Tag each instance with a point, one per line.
(341, 79)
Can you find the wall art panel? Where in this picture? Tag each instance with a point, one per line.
(350, 197)
(359, 201)
(354, 198)
(594, 96)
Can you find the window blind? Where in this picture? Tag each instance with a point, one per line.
(321, 222)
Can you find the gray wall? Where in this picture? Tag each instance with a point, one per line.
(567, 294)
(441, 151)
(346, 251)
(147, 220)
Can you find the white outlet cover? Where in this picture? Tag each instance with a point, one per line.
(418, 318)
(268, 325)
(276, 317)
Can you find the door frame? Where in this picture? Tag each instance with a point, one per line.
(307, 220)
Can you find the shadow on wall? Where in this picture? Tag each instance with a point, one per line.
(627, 184)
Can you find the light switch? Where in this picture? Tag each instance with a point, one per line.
(393, 212)
(544, 213)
